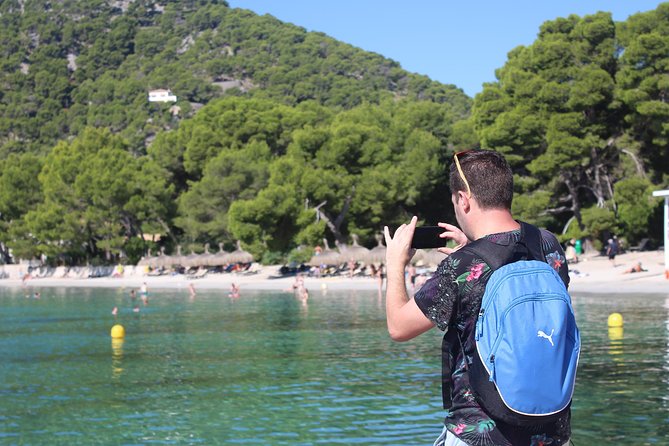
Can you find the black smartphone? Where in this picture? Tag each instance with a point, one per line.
(428, 237)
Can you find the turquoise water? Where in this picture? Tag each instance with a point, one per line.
(265, 369)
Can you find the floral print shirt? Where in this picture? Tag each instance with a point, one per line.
(465, 275)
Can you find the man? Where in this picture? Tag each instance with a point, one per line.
(481, 184)
(612, 249)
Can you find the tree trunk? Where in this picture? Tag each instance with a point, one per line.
(639, 164)
(4, 253)
(609, 187)
(335, 226)
(594, 176)
(575, 203)
(167, 229)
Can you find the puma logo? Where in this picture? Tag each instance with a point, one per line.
(541, 334)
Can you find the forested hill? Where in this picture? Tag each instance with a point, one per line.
(317, 139)
(69, 64)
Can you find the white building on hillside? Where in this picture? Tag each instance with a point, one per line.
(162, 95)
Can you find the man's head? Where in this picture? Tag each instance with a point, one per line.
(483, 175)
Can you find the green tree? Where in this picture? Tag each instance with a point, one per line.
(367, 167)
(643, 85)
(635, 206)
(20, 192)
(554, 104)
(203, 209)
(95, 193)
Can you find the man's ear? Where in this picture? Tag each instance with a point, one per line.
(464, 201)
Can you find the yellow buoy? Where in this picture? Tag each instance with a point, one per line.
(117, 331)
(615, 320)
(616, 334)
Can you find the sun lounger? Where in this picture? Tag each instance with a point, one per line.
(38, 273)
(200, 273)
(60, 272)
(254, 268)
(642, 246)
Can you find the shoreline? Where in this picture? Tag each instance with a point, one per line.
(592, 274)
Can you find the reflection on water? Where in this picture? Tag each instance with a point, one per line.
(616, 342)
(267, 368)
(117, 357)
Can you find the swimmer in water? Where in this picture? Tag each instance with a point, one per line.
(144, 293)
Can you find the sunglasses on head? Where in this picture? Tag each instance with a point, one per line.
(462, 174)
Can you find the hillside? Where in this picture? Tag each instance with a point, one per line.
(281, 138)
(70, 64)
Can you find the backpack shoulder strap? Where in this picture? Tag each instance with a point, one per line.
(531, 243)
(491, 253)
(495, 256)
(529, 247)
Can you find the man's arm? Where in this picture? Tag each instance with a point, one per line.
(405, 320)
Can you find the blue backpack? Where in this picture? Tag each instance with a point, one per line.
(527, 341)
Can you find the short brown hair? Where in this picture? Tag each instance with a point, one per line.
(489, 176)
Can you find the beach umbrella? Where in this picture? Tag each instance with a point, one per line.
(207, 258)
(354, 252)
(162, 260)
(178, 258)
(191, 260)
(327, 257)
(430, 257)
(378, 253)
(239, 255)
(220, 258)
(154, 260)
(146, 261)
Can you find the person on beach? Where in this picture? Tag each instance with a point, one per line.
(144, 293)
(191, 290)
(133, 299)
(351, 268)
(234, 290)
(635, 269)
(481, 184)
(379, 275)
(300, 290)
(570, 252)
(411, 271)
(303, 294)
(612, 249)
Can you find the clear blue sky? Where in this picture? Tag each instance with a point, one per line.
(455, 42)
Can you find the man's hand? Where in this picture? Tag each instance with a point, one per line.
(398, 247)
(454, 233)
(405, 319)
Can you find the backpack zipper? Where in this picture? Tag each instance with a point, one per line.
(498, 340)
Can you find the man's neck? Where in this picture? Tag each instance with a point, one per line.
(493, 221)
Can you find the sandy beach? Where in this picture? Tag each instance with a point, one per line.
(592, 274)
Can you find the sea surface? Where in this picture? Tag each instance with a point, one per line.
(265, 369)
